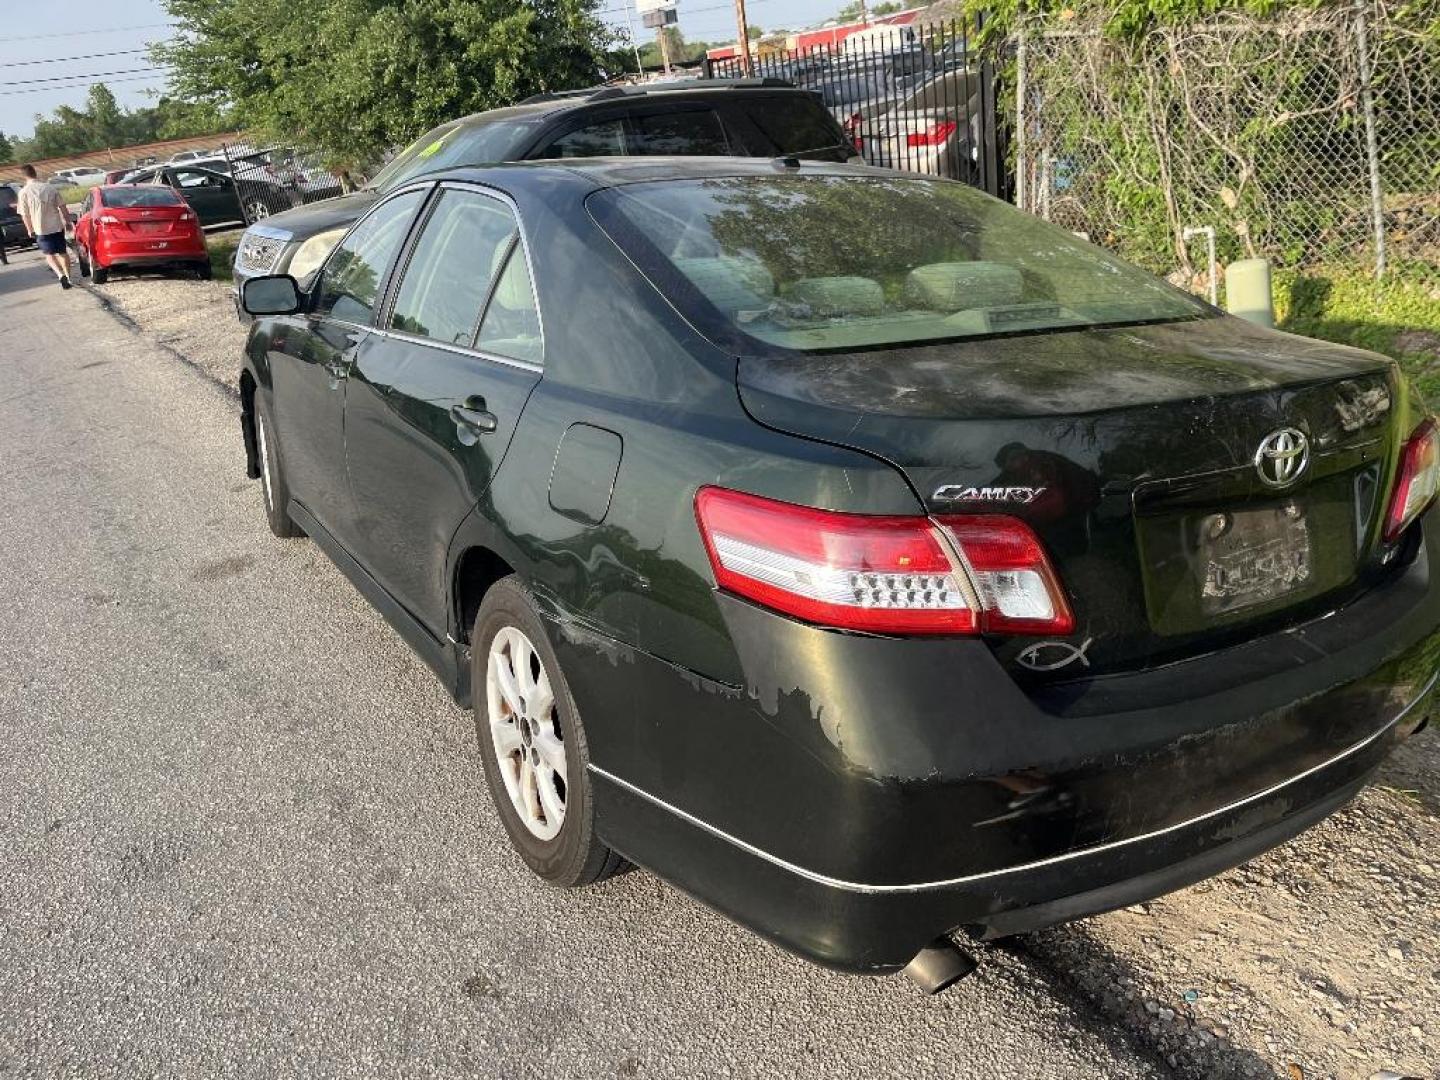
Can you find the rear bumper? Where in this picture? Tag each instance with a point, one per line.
(858, 797)
(112, 255)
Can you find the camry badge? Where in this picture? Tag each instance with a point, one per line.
(1022, 496)
(1282, 457)
(1053, 655)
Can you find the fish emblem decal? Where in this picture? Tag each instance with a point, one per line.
(1053, 655)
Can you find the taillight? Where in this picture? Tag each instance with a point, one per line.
(935, 135)
(882, 574)
(852, 127)
(1417, 481)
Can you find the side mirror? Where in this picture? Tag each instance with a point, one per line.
(276, 294)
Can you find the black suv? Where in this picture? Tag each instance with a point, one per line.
(717, 117)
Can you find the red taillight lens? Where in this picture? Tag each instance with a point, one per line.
(852, 128)
(934, 135)
(1417, 481)
(882, 574)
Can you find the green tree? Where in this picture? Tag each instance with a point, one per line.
(355, 77)
(7, 149)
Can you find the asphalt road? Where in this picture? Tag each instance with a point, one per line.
(243, 832)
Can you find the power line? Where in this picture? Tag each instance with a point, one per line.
(82, 33)
(81, 85)
(67, 59)
(91, 75)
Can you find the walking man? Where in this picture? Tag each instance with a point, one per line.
(46, 217)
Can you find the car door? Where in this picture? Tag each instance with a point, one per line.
(210, 194)
(310, 363)
(434, 397)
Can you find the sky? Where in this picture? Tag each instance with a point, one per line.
(54, 54)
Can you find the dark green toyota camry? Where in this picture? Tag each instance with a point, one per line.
(875, 562)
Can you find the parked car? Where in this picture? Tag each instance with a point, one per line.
(190, 155)
(12, 228)
(754, 117)
(135, 226)
(857, 88)
(935, 129)
(84, 176)
(870, 559)
(114, 176)
(216, 197)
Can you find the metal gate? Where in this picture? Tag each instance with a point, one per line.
(917, 98)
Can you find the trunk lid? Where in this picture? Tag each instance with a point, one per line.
(144, 221)
(1132, 452)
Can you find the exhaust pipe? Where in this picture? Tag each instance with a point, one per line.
(940, 965)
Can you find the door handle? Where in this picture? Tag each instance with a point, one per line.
(479, 421)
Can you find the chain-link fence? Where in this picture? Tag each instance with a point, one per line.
(1311, 138)
(917, 97)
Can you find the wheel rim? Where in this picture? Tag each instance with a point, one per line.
(258, 210)
(264, 460)
(525, 729)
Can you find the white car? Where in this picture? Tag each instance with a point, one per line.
(192, 155)
(85, 176)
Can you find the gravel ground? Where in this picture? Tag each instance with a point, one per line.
(1319, 959)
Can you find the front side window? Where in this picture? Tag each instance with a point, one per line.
(460, 250)
(843, 262)
(603, 139)
(688, 133)
(350, 283)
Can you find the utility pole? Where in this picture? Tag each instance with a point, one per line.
(663, 35)
(864, 12)
(634, 42)
(744, 40)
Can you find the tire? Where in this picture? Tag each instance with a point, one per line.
(204, 271)
(82, 260)
(507, 631)
(99, 274)
(274, 492)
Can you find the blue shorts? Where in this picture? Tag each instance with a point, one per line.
(52, 243)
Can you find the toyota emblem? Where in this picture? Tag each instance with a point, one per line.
(1282, 457)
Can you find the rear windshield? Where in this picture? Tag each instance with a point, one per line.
(449, 146)
(794, 124)
(125, 198)
(843, 262)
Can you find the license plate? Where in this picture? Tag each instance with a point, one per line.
(1252, 557)
(161, 246)
(153, 226)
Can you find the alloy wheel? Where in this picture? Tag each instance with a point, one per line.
(526, 732)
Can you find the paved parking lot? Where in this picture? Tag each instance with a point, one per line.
(244, 832)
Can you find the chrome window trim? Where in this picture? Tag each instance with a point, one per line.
(925, 886)
(459, 350)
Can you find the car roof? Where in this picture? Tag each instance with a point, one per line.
(603, 172)
(566, 101)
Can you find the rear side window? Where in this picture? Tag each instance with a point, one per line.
(511, 326)
(604, 139)
(460, 250)
(126, 198)
(691, 133)
(795, 123)
(350, 282)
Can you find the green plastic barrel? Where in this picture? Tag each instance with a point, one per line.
(1247, 291)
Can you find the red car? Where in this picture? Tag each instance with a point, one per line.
(138, 225)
